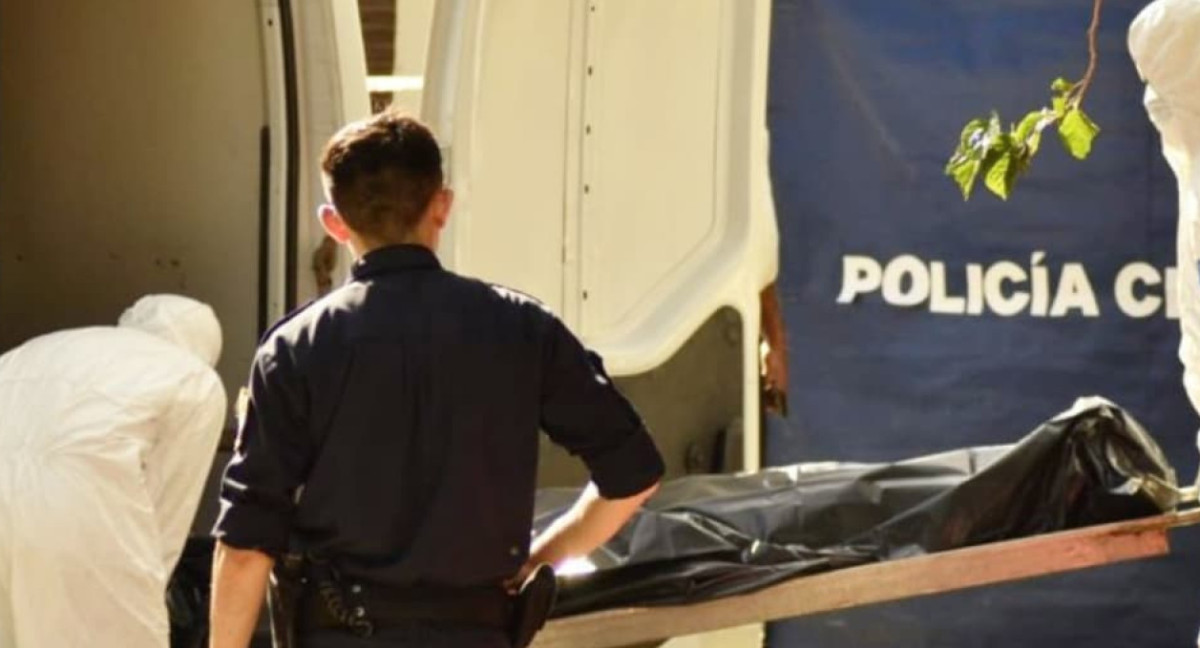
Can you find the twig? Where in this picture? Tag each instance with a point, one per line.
(1093, 53)
(1000, 160)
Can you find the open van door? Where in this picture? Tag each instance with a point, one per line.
(610, 158)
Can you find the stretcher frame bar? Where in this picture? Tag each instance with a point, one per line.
(987, 564)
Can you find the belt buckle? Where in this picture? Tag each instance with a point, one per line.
(362, 627)
(358, 621)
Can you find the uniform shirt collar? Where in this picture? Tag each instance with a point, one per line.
(394, 258)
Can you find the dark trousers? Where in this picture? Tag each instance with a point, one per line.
(422, 636)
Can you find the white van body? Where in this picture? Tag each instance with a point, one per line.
(609, 157)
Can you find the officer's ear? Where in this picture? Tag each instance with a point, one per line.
(333, 223)
(442, 201)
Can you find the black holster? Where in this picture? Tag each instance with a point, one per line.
(297, 581)
(283, 600)
(532, 606)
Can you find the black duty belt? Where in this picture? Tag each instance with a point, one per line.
(488, 607)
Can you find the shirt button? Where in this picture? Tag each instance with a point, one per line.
(360, 612)
(514, 551)
(356, 588)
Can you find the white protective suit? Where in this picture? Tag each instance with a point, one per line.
(1165, 43)
(106, 437)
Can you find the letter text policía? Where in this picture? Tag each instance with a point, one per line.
(1007, 288)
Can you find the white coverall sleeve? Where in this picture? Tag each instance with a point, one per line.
(181, 458)
(1164, 41)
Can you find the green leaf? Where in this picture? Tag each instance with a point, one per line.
(1033, 143)
(1077, 131)
(964, 164)
(964, 173)
(1022, 157)
(1002, 174)
(1060, 90)
(994, 126)
(1031, 126)
(999, 150)
(1029, 132)
(970, 131)
(1059, 105)
(1027, 126)
(972, 144)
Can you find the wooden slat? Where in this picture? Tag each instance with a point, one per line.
(875, 583)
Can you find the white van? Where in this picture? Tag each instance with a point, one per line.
(609, 157)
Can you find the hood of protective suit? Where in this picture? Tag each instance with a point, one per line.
(182, 321)
(1164, 41)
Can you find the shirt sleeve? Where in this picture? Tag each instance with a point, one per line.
(583, 412)
(178, 464)
(272, 455)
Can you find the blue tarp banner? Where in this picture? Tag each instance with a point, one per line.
(920, 323)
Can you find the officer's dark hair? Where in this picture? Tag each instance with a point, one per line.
(382, 173)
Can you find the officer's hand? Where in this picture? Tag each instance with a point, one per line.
(775, 380)
(513, 585)
(776, 369)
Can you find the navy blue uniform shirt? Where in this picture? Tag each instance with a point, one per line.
(393, 426)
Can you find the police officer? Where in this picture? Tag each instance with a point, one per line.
(390, 433)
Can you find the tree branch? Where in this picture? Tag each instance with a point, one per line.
(1093, 53)
(999, 157)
